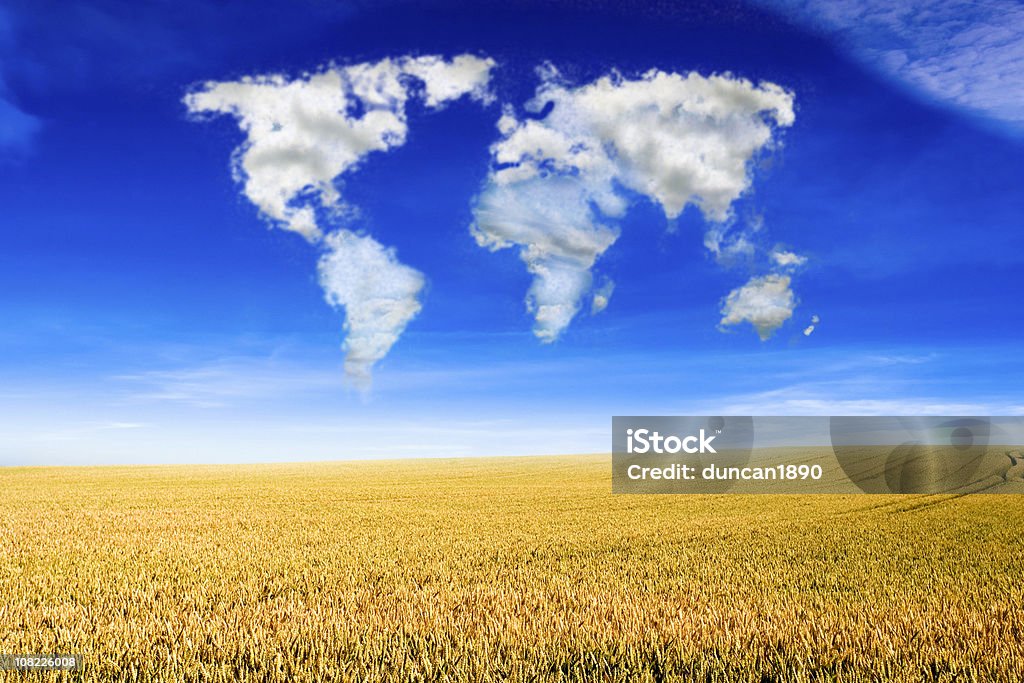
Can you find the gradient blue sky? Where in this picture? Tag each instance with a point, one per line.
(148, 314)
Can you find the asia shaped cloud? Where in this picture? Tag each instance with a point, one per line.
(561, 174)
(302, 136)
(765, 302)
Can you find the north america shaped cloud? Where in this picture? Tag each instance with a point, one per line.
(561, 174)
(302, 136)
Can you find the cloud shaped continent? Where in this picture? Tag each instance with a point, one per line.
(765, 302)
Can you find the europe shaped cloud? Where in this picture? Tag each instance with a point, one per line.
(766, 302)
(966, 53)
(561, 175)
(303, 136)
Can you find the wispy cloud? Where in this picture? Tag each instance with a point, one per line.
(84, 431)
(794, 401)
(283, 403)
(17, 127)
(965, 53)
(895, 382)
(224, 382)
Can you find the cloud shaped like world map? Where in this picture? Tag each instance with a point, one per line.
(565, 169)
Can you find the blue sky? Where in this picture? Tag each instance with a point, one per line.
(151, 314)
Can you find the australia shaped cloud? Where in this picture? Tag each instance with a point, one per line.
(303, 135)
(562, 174)
(766, 302)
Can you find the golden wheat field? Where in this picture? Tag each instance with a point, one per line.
(517, 569)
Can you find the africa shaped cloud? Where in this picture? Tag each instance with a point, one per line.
(303, 135)
(968, 53)
(561, 174)
(765, 302)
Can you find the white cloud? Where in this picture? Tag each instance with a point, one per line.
(967, 53)
(602, 295)
(730, 247)
(120, 425)
(765, 302)
(450, 80)
(302, 136)
(559, 236)
(380, 296)
(810, 328)
(786, 259)
(775, 403)
(555, 188)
